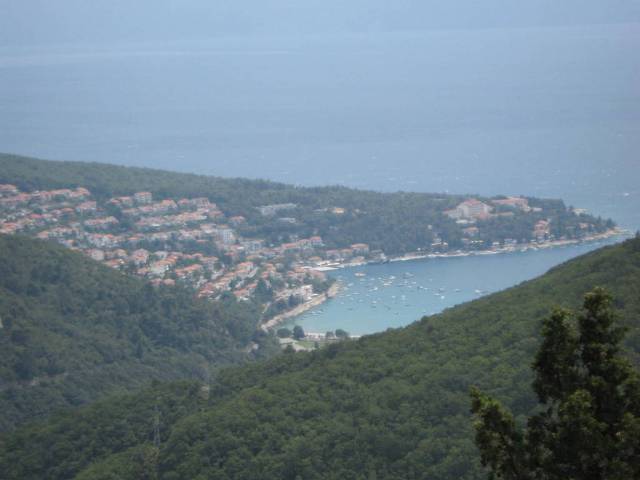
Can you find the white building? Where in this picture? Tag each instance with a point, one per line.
(470, 209)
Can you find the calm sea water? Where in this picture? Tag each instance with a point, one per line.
(396, 294)
(547, 111)
(551, 112)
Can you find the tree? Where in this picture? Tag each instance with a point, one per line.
(298, 332)
(283, 333)
(589, 425)
(342, 334)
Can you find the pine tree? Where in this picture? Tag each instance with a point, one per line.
(589, 421)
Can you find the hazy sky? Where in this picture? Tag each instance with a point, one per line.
(35, 22)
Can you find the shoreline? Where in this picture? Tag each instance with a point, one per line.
(614, 232)
(335, 288)
(302, 308)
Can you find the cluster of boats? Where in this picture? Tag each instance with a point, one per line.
(368, 290)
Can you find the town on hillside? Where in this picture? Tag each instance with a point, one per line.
(181, 241)
(191, 241)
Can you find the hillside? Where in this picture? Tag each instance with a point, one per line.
(392, 405)
(73, 330)
(395, 223)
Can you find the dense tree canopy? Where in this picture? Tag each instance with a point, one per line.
(73, 329)
(387, 406)
(589, 427)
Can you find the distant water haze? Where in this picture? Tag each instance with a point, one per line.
(421, 96)
(551, 111)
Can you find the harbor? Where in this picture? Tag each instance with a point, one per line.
(374, 297)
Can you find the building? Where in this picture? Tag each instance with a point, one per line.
(143, 198)
(470, 209)
(8, 190)
(139, 257)
(87, 207)
(226, 236)
(95, 254)
(513, 202)
(360, 249)
(542, 230)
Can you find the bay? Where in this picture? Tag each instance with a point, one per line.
(376, 297)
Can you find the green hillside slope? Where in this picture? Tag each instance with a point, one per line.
(73, 330)
(390, 406)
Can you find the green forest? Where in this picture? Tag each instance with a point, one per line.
(73, 330)
(395, 223)
(394, 405)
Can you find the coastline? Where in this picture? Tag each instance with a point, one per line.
(335, 288)
(614, 232)
(300, 309)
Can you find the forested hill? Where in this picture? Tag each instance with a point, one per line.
(72, 330)
(389, 406)
(396, 223)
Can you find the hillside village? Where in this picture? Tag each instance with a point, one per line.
(191, 241)
(188, 241)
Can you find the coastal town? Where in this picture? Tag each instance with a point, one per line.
(192, 242)
(186, 241)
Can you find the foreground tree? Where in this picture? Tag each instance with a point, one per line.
(589, 421)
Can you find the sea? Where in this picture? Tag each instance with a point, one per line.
(549, 111)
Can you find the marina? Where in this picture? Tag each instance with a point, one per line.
(375, 297)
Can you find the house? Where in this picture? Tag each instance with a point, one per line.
(123, 201)
(159, 268)
(87, 207)
(7, 189)
(14, 201)
(116, 263)
(541, 230)
(226, 236)
(100, 240)
(95, 253)
(200, 202)
(189, 272)
(360, 249)
(139, 257)
(143, 198)
(79, 193)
